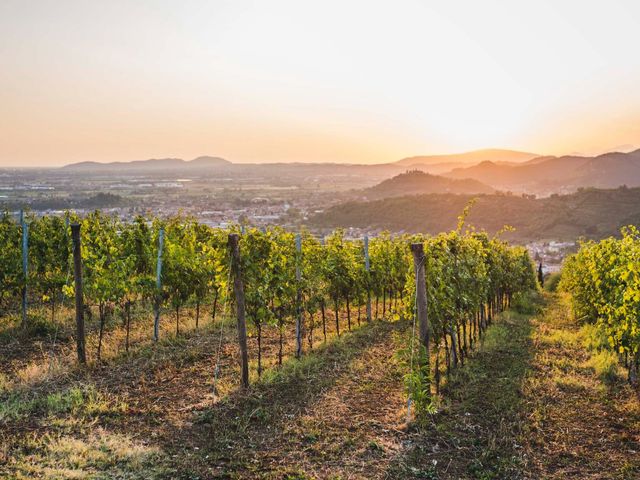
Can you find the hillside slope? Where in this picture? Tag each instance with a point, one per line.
(592, 213)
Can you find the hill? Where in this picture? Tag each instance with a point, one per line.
(476, 156)
(591, 213)
(152, 164)
(547, 174)
(418, 182)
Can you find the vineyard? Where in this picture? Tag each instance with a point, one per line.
(289, 281)
(603, 279)
(186, 351)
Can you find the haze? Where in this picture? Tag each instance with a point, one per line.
(361, 82)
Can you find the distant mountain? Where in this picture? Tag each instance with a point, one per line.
(418, 182)
(590, 212)
(208, 162)
(569, 172)
(152, 164)
(496, 155)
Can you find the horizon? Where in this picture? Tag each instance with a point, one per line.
(284, 83)
(620, 149)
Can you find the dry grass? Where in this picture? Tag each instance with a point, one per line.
(97, 455)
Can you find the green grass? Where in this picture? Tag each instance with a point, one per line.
(480, 411)
(75, 401)
(606, 365)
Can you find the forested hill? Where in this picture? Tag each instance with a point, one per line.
(418, 182)
(590, 213)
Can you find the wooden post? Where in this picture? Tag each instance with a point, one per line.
(417, 249)
(367, 267)
(238, 289)
(299, 296)
(156, 321)
(25, 266)
(77, 276)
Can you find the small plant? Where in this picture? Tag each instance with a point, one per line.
(418, 387)
(605, 365)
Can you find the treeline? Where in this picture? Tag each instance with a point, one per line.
(603, 279)
(98, 201)
(291, 281)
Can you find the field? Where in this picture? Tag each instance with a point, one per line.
(529, 403)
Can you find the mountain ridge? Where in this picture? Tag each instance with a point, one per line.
(151, 163)
(608, 170)
(470, 157)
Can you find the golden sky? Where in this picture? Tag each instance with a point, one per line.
(344, 81)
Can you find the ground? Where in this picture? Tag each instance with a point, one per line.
(531, 403)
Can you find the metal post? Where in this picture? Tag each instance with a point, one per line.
(156, 322)
(367, 267)
(77, 275)
(25, 265)
(299, 296)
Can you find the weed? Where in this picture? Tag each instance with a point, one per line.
(606, 365)
(375, 446)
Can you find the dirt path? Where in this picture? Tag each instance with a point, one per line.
(336, 414)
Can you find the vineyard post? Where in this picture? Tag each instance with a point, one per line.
(238, 289)
(367, 267)
(25, 265)
(77, 276)
(417, 249)
(298, 296)
(156, 321)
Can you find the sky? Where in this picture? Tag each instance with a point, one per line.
(332, 81)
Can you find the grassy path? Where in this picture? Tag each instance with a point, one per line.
(475, 433)
(527, 405)
(579, 426)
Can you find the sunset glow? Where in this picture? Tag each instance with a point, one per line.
(362, 82)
